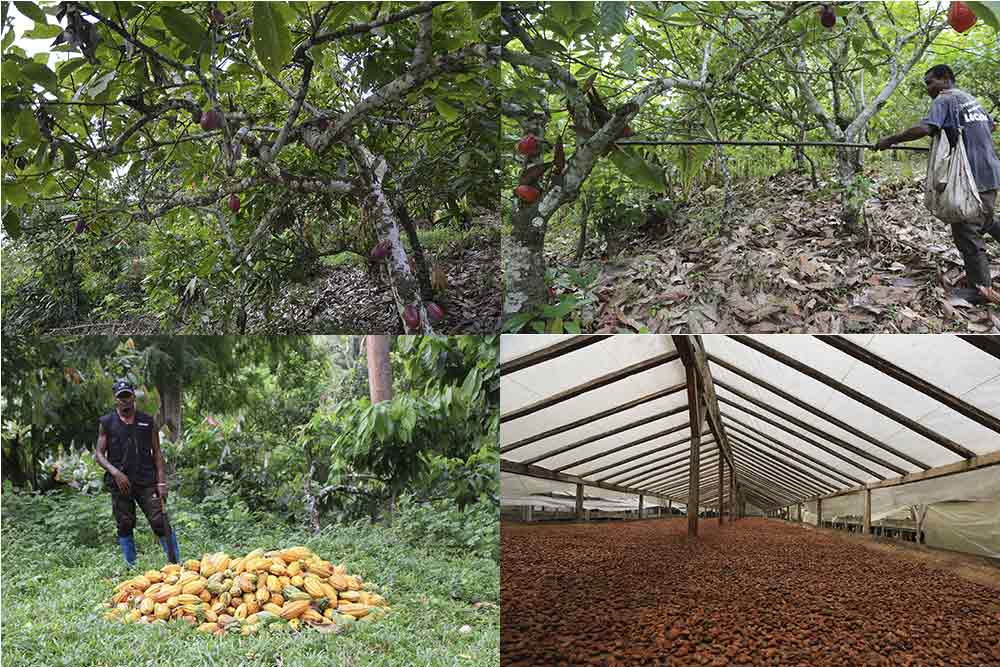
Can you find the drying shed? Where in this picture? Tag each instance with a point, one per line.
(801, 454)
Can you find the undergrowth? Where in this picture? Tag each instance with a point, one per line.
(61, 561)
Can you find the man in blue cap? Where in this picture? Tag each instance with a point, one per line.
(128, 448)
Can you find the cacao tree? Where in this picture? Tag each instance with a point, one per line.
(205, 114)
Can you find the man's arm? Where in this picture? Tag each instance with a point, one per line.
(161, 477)
(102, 460)
(918, 131)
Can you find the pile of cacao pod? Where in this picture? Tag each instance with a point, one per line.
(286, 589)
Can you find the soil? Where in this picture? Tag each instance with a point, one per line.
(758, 592)
(780, 260)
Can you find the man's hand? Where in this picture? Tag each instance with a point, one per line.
(883, 143)
(123, 484)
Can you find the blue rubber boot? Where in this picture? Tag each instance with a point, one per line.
(170, 543)
(128, 549)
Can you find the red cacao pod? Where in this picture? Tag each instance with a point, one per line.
(81, 226)
(434, 312)
(216, 17)
(234, 203)
(380, 251)
(411, 318)
(527, 193)
(528, 145)
(960, 17)
(211, 120)
(827, 16)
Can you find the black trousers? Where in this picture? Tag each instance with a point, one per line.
(969, 235)
(123, 508)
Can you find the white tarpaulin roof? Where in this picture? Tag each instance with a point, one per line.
(783, 452)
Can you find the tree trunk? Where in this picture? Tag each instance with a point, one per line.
(848, 169)
(12, 468)
(312, 503)
(376, 207)
(379, 369)
(581, 245)
(171, 395)
(380, 388)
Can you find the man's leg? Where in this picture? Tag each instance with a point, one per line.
(992, 226)
(149, 500)
(123, 509)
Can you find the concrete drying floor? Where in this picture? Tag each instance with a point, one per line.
(759, 592)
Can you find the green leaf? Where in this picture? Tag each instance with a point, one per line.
(11, 222)
(340, 12)
(567, 303)
(555, 326)
(573, 327)
(987, 11)
(32, 11)
(27, 128)
(184, 27)
(638, 170)
(627, 60)
(611, 16)
(8, 39)
(40, 74)
(448, 112)
(14, 194)
(271, 38)
(43, 32)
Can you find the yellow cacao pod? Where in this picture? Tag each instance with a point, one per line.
(225, 599)
(217, 608)
(141, 583)
(354, 583)
(284, 580)
(313, 587)
(241, 612)
(297, 581)
(273, 608)
(246, 585)
(329, 592)
(166, 593)
(188, 598)
(147, 606)
(256, 553)
(237, 566)
(172, 568)
(312, 615)
(295, 624)
(263, 595)
(278, 599)
(321, 569)
(161, 611)
(205, 596)
(173, 602)
(339, 582)
(330, 611)
(273, 584)
(187, 577)
(352, 609)
(249, 597)
(294, 609)
(294, 554)
(294, 569)
(207, 567)
(350, 596)
(194, 587)
(253, 607)
(211, 616)
(155, 576)
(192, 565)
(208, 627)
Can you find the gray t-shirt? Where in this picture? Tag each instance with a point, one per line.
(953, 108)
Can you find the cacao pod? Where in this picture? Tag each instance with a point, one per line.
(294, 609)
(528, 145)
(960, 17)
(411, 317)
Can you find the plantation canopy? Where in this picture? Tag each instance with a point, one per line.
(797, 418)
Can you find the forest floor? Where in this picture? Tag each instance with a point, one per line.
(779, 260)
(60, 566)
(350, 299)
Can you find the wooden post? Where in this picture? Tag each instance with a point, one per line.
(800, 513)
(866, 527)
(819, 512)
(640, 506)
(579, 502)
(721, 463)
(920, 523)
(530, 508)
(694, 462)
(670, 507)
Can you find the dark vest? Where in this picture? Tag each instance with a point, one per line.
(130, 448)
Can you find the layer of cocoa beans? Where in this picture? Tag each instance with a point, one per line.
(757, 592)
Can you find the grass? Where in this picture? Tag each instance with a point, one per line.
(53, 586)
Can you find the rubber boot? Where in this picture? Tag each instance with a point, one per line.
(977, 273)
(128, 549)
(172, 537)
(993, 228)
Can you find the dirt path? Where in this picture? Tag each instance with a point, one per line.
(759, 592)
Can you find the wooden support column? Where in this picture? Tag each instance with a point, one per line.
(670, 507)
(640, 506)
(694, 463)
(528, 517)
(867, 526)
(721, 495)
(800, 513)
(579, 502)
(819, 512)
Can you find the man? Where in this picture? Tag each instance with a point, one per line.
(953, 107)
(128, 448)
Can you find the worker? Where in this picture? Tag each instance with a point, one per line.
(949, 111)
(128, 448)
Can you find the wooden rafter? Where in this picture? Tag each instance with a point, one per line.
(583, 421)
(544, 473)
(855, 395)
(591, 385)
(550, 352)
(926, 388)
